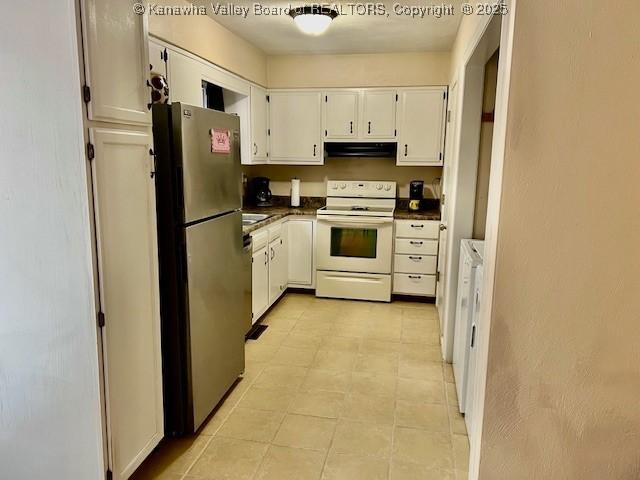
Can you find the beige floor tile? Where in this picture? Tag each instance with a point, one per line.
(341, 344)
(448, 373)
(452, 396)
(362, 438)
(428, 416)
(349, 330)
(412, 471)
(252, 369)
(409, 368)
(456, 419)
(426, 448)
(318, 404)
(286, 309)
(385, 364)
(326, 380)
(421, 351)
(388, 334)
(297, 357)
(280, 324)
(373, 346)
(283, 463)
(259, 352)
(227, 458)
(355, 467)
(371, 384)
(334, 361)
(418, 335)
(461, 452)
(173, 457)
(301, 431)
(271, 337)
(276, 399)
(281, 376)
(251, 424)
(424, 391)
(297, 340)
(312, 328)
(368, 408)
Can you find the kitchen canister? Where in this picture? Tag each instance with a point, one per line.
(295, 192)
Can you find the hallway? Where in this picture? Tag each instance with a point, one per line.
(333, 389)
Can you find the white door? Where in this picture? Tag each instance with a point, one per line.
(125, 211)
(300, 252)
(340, 114)
(277, 269)
(379, 114)
(444, 203)
(259, 283)
(421, 127)
(295, 126)
(157, 61)
(185, 79)
(117, 63)
(259, 113)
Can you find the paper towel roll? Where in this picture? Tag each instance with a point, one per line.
(295, 192)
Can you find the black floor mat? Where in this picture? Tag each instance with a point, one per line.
(256, 331)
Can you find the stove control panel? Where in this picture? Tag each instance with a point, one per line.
(361, 189)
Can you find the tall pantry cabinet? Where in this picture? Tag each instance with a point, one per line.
(119, 149)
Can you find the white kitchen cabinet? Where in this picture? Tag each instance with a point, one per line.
(125, 221)
(185, 79)
(259, 283)
(421, 125)
(295, 128)
(340, 114)
(157, 59)
(117, 63)
(379, 114)
(301, 252)
(415, 258)
(259, 126)
(277, 269)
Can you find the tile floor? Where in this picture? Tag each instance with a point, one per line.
(333, 390)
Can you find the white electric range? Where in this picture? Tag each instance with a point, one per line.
(355, 240)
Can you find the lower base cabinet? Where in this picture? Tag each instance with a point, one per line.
(415, 257)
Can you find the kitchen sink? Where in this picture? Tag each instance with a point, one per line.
(252, 218)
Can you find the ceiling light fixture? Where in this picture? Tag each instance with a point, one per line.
(313, 20)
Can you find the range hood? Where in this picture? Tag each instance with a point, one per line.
(360, 149)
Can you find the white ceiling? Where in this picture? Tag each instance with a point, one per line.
(348, 33)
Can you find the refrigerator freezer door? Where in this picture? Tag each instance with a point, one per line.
(216, 290)
(211, 180)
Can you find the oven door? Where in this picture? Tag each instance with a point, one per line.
(355, 244)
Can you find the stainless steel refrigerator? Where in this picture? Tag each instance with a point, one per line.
(203, 286)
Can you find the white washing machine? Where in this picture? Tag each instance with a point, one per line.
(470, 411)
(471, 252)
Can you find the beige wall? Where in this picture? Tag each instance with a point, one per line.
(203, 36)
(467, 29)
(313, 179)
(563, 388)
(358, 70)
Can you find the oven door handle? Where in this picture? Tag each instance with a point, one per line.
(361, 221)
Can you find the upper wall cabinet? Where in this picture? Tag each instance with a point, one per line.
(116, 63)
(157, 59)
(259, 122)
(295, 127)
(185, 79)
(379, 114)
(421, 124)
(340, 114)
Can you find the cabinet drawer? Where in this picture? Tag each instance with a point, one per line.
(411, 246)
(259, 239)
(274, 231)
(417, 228)
(415, 264)
(414, 284)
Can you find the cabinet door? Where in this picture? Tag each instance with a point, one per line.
(157, 62)
(340, 114)
(117, 63)
(259, 119)
(300, 252)
(379, 114)
(295, 126)
(259, 283)
(185, 79)
(277, 269)
(421, 126)
(125, 214)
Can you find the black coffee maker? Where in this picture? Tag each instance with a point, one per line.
(260, 193)
(416, 194)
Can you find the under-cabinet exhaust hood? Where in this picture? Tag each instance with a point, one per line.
(360, 149)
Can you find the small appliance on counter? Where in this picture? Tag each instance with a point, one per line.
(416, 194)
(260, 192)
